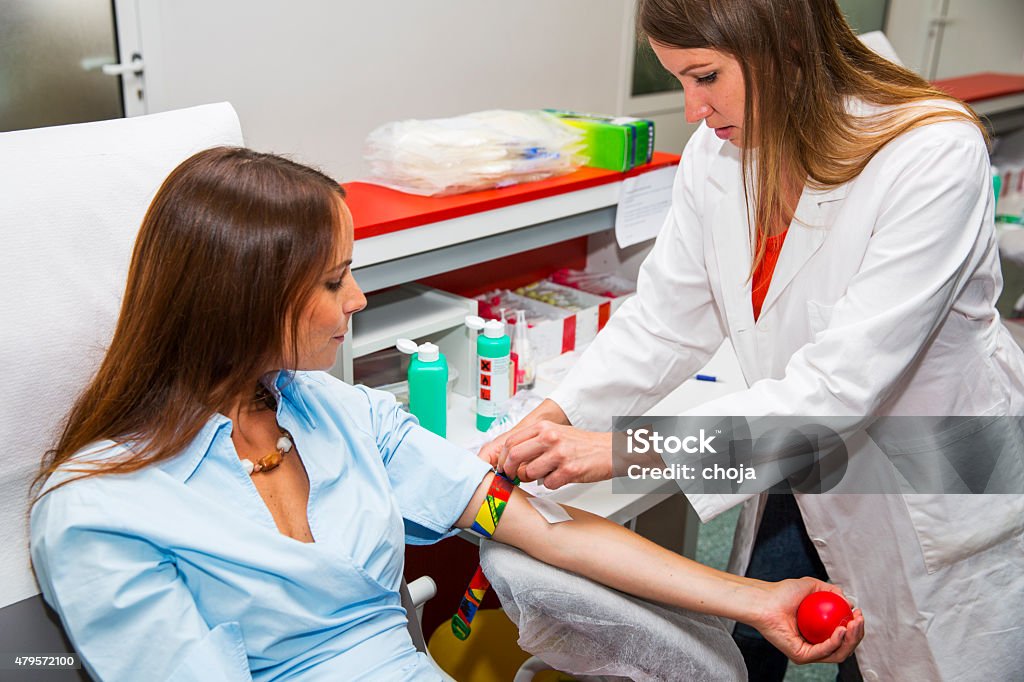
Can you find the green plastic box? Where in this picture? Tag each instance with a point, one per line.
(618, 144)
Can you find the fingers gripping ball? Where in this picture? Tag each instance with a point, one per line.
(820, 613)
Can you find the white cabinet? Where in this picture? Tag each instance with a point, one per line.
(416, 312)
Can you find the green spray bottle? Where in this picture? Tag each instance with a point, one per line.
(493, 357)
(428, 385)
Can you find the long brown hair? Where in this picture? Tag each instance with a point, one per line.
(800, 63)
(228, 255)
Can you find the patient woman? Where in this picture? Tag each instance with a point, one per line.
(218, 507)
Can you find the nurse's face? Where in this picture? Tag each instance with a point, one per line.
(325, 320)
(712, 84)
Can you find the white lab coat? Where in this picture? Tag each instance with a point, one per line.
(882, 303)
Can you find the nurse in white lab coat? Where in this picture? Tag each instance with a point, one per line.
(882, 303)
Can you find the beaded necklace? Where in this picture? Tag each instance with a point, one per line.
(282, 447)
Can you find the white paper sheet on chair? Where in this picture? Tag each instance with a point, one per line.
(73, 198)
(582, 628)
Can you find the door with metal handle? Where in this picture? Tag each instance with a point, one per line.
(135, 66)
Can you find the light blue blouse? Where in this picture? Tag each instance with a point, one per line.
(178, 572)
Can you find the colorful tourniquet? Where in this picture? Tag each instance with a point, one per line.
(486, 521)
(493, 507)
(463, 619)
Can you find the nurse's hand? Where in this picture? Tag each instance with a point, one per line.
(558, 454)
(548, 410)
(777, 622)
(544, 446)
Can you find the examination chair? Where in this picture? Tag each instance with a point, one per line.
(574, 625)
(73, 200)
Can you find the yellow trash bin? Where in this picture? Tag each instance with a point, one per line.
(489, 654)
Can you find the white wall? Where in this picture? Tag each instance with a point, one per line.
(313, 78)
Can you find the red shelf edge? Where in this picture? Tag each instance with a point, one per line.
(981, 86)
(404, 211)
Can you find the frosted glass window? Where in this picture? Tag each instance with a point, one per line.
(51, 52)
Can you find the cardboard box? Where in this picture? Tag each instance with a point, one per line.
(561, 319)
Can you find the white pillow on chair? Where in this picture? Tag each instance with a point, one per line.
(73, 200)
(878, 42)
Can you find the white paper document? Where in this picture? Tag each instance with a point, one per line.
(643, 206)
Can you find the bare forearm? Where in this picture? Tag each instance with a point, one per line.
(607, 553)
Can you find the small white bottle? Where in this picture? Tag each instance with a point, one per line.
(493, 369)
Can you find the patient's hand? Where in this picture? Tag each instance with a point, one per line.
(777, 623)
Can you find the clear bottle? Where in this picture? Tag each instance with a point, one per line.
(428, 385)
(513, 371)
(525, 369)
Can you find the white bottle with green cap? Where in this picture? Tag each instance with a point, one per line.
(428, 385)
(493, 349)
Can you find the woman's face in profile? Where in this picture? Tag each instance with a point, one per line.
(712, 85)
(325, 321)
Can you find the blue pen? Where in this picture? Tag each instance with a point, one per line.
(706, 377)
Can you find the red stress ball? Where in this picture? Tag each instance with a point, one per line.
(820, 613)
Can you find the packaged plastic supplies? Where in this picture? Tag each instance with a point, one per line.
(567, 298)
(476, 151)
(598, 283)
(492, 303)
